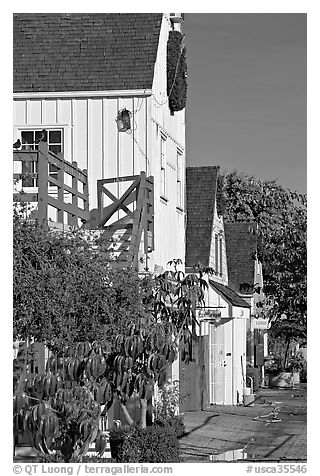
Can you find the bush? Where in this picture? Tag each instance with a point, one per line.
(168, 399)
(154, 444)
(174, 422)
(95, 459)
(118, 436)
(166, 407)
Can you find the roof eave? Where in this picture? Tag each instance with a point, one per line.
(79, 94)
(244, 304)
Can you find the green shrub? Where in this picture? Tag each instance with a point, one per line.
(95, 459)
(168, 399)
(166, 407)
(174, 422)
(154, 444)
(118, 436)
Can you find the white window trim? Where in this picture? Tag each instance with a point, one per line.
(63, 127)
(179, 179)
(47, 128)
(32, 127)
(163, 166)
(23, 127)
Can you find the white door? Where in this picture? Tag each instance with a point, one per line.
(218, 364)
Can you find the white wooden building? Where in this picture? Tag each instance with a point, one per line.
(73, 75)
(218, 373)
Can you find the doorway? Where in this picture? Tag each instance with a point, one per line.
(217, 375)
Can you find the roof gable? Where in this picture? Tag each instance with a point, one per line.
(201, 186)
(241, 246)
(84, 51)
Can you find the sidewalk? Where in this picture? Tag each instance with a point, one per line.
(222, 433)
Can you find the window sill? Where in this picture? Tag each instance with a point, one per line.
(164, 200)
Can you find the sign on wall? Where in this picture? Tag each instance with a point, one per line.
(260, 323)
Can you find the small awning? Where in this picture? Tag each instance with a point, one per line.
(231, 296)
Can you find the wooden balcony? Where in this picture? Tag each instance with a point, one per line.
(56, 188)
(50, 181)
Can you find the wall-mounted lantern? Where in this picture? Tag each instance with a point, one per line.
(123, 120)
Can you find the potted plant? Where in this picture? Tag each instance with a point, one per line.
(279, 375)
(284, 363)
(297, 364)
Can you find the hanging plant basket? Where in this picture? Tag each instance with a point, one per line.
(176, 72)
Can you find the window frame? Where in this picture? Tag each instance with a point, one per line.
(30, 182)
(163, 166)
(180, 198)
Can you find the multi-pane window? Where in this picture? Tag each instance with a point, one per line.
(179, 179)
(30, 141)
(163, 178)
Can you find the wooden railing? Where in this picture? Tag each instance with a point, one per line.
(45, 176)
(136, 205)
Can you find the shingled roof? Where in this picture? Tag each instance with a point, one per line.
(84, 51)
(201, 185)
(241, 245)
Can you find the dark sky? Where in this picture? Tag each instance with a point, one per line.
(247, 87)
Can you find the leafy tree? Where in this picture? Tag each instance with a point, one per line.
(281, 217)
(49, 405)
(111, 332)
(64, 290)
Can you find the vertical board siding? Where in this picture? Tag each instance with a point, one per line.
(228, 360)
(92, 140)
(139, 135)
(95, 135)
(19, 112)
(49, 112)
(125, 154)
(34, 112)
(64, 116)
(111, 158)
(80, 133)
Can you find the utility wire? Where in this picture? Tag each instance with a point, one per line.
(139, 147)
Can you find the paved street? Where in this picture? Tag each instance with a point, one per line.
(238, 433)
(222, 433)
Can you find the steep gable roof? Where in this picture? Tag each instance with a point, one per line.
(241, 245)
(84, 51)
(201, 185)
